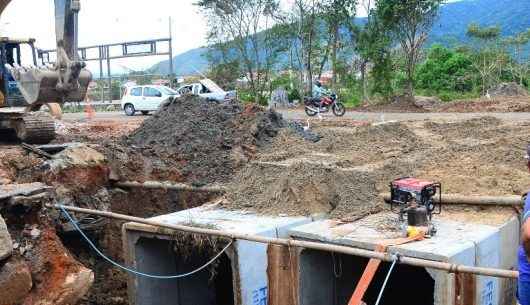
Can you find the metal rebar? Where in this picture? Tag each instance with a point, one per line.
(387, 257)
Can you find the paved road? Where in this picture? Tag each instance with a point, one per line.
(101, 116)
(357, 116)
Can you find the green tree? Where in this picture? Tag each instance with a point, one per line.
(337, 14)
(237, 26)
(520, 65)
(225, 74)
(408, 22)
(445, 70)
(488, 57)
(374, 45)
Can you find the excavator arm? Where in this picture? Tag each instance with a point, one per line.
(65, 81)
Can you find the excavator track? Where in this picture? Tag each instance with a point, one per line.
(35, 128)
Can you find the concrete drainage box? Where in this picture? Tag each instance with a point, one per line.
(239, 277)
(328, 278)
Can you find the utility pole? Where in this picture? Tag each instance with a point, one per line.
(171, 71)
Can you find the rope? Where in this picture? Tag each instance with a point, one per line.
(386, 280)
(135, 272)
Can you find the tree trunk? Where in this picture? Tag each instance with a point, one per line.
(323, 63)
(410, 81)
(335, 46)
(309, 57)
(364, 82)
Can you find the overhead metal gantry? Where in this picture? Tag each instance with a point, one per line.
(108, 52)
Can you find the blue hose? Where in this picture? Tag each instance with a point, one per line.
(135, 272)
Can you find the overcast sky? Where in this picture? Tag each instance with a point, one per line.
(108, 21)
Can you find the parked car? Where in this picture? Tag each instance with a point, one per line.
(146, 98)
(207, 89)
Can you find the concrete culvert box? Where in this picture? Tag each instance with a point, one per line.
(330, 278)
(238, 277)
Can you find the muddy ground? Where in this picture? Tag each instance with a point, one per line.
(492, 104)
(269, 168)
(343, 173)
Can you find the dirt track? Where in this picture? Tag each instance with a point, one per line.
(350, 116)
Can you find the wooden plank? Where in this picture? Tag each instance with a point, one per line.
(465, 289)
(11, 190)
(282, 275)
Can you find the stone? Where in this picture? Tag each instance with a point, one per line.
(507, 90)
(79, 155)
(15, 282)
(426, 102)
(6, 244)
(35, 233)
(79, 168)
(279, 99)
(59, 278)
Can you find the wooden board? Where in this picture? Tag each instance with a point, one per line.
(29, 189)
(283, 275)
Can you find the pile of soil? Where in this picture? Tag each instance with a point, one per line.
(197, 141)
(478, 128)
(496, 104)
(344, 172)
(396, 104)
(303, 189)
(508, 89)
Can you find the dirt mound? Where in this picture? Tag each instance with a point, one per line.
(508, 89)
(477, 128)
(346, 146)
(303, 189)
(202, 142)
(497, 104)
(397, 104)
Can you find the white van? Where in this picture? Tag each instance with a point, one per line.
(146, 98)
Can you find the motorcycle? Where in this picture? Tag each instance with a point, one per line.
(314, 106)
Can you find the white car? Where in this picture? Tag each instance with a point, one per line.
(146, 98)
(207, 89)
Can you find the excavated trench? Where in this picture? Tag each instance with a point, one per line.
(110, 285)
(270, 170)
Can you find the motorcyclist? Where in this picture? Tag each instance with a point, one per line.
(319, 92)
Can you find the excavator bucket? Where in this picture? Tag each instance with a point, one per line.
(43, 85)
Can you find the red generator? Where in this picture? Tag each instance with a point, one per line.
(416, 199)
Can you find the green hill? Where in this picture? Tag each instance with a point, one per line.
(512, 15)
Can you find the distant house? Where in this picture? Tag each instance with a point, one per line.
(161, 82)
(326, 77)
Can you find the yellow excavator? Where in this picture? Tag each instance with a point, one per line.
(26, 88)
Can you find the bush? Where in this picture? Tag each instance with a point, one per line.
(246, 96)
(445, 70)
(350, 96)
(293, 95)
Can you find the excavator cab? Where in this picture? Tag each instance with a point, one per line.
(25, 86)
(11, 55)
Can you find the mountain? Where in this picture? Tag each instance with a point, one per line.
(449, 29)
(187, 63)
(511, 15)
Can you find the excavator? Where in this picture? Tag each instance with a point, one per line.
(26, 88)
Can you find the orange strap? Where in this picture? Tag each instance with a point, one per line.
(373, 266)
